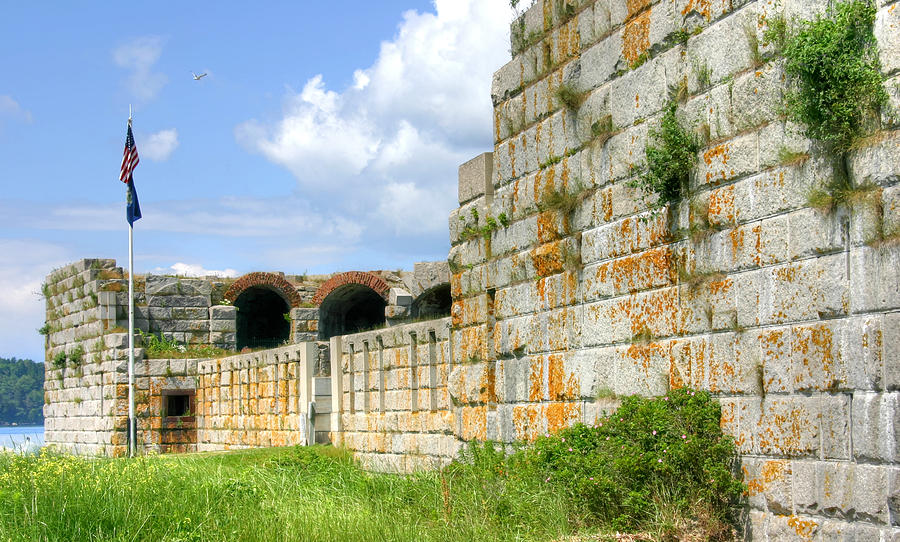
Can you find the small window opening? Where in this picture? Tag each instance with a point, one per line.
(178, 405)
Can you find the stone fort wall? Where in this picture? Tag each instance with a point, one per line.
(579, 294)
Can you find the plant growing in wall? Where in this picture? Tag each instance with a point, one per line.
(671, 154)
(834, 63)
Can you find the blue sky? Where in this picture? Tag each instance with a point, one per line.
(326, 136)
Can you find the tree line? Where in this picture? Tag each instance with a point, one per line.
(21, 392)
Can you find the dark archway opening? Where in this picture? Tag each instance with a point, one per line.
(350, 308)
(433, 303)
(260, 319)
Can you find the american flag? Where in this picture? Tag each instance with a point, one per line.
(130, 159)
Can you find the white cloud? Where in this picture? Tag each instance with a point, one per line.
(139, 56)
(227, 217)
(195, 270)
(21, 305)
(11, 108)
(159, 146)
(390, 144)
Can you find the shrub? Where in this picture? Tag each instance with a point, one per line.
(76, 356)
(670, 156)
(651, 458)
(834, 60)
(59, 360)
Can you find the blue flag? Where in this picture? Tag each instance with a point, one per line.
(133, 209)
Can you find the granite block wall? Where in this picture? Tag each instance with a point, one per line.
(390, 399)
(257, 399)
(569, 291)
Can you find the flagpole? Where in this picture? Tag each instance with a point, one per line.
(132, 425)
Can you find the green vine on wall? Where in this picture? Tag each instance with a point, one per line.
(671, 154)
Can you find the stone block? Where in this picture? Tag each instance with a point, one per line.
(887, 34)
(399, 296)
(791, 528)
(817, 361)
(190, 313)
(836, 427)
(305, 313)
(863, 351)
(179, 301)
(223, 338)
(877, 163)
(789, 426)
(875, 426)
(475, 177)
(874, 282)
(222, 325)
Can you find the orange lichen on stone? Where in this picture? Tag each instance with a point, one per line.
(813, 358)
(641, 356)
(472, 343)
(656, 312)
(536, 379)
(561, 385)
(648, 269)
(527, 422)
(716, 160)
(562, 415)
(636, 6)
(557, 291)
(488, 385)
(697, 6)
(721, 206)
(636, 37)
(804, 528)
(788, 429)
(548, 226)
(547, 259)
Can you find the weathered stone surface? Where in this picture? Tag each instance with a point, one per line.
(475, 177)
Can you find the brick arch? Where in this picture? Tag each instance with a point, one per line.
(270, 281)
(352, 277)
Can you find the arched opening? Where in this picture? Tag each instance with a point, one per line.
(433, 303)
(261, 321)
(350, 308)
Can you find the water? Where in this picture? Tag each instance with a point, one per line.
(22, 437)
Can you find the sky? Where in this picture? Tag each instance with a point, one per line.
(325, 137)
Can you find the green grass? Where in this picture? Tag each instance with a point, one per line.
(659, 467)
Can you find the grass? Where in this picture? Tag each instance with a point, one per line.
(839, 191)
(787, 157)
(160, 347)
(570, 97)
(602, 129)
(659, 467)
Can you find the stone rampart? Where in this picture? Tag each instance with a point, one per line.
(389, 397)
(257, 399)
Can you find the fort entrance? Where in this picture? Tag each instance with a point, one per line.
(351, 302)
(262, 318)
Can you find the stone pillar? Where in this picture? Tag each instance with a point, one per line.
(337, 391)
(307, 367)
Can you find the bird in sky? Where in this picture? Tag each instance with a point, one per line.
(198, 77)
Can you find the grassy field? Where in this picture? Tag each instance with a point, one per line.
(561, 486)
